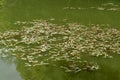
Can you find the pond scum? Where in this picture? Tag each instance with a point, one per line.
(45, 43)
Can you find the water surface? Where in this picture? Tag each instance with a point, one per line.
(59, 11)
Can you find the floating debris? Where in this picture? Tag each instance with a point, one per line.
(113, 9)
(74, 8)
(52, 19)
(110, 4)
(102, 7)
(45, 43)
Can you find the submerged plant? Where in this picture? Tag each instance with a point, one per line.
(45, 43)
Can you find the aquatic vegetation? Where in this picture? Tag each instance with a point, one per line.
(110, 4)
(102, 7)
(40, 42)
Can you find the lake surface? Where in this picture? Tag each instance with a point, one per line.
(8, 71)
(102, 12)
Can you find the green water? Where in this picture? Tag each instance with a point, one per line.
(28, 10)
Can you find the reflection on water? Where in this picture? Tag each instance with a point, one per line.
(104, 12)
(8, 71)
(53, 73)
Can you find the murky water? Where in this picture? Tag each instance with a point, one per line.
(105, 12)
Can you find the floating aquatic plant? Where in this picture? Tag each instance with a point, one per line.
(45, 43)
(102, 7)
